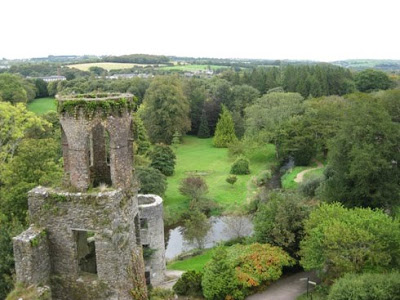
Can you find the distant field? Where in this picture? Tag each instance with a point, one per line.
(106, 65)
(191, 67)
(198, 156)
(41, 106)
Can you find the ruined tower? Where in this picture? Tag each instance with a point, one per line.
(84, 241)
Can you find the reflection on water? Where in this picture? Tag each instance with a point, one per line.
(223, 229)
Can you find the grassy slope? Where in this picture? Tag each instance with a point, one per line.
(195, 263)
(199, 154)
(41, 106)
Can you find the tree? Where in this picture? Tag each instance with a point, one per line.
(237, 226)
(140, 137)
(176, 139)
(195, 228)
(36, 163)
(371, 80)
(225, 131)
(163, 159)
(195, 91)
(279, 221)
(269, 112)
(219, 279)
(204, 130)
(243, 96)
(194, 187)
(12, 89)
(8, 229)
(41, 88)
(340, 240)
(363, 160)
(15, 121)
(52, 88)
(165, 109)
(151, 181)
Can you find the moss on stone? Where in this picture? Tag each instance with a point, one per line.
(91, 104)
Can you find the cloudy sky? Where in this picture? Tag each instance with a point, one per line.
(323, 30)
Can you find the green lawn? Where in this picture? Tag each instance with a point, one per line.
(198, 157)
(195, 263)
(41, 106)
(191, 67)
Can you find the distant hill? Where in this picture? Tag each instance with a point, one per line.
(361, 64)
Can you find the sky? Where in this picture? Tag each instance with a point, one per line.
(320, 30)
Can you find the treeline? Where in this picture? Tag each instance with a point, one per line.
(138, 59)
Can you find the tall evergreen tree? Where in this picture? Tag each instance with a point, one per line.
(225, 131)
(140, 136)
(204, 130)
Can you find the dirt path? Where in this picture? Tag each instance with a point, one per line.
(299, 177)
(288, 288)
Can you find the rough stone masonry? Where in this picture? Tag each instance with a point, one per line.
(84, 241)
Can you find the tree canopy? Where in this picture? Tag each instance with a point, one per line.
(165, 110)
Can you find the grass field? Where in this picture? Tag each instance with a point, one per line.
(106, 65)
(41, 106)
(195, 263)
(198, 157)
(191, 67)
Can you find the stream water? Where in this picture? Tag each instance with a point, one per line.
(223, 229)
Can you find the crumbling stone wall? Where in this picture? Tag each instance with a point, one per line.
(32, 261)
(109, 215)
(152, 235)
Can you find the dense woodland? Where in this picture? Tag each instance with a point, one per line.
(343, 223)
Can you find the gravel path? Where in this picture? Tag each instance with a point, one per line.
(288, 288)
(299, 177)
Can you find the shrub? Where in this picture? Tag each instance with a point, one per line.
(309, 186)
(189, 284)
(194, 187)
(161, 294)
(163, 159)
(235, 273)
(263, 178)
(231, 179)
(240, 166)
(366, 286)
(151, 181)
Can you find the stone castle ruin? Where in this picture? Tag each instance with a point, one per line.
(87, 239)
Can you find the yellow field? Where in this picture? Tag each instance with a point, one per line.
(106, 65)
